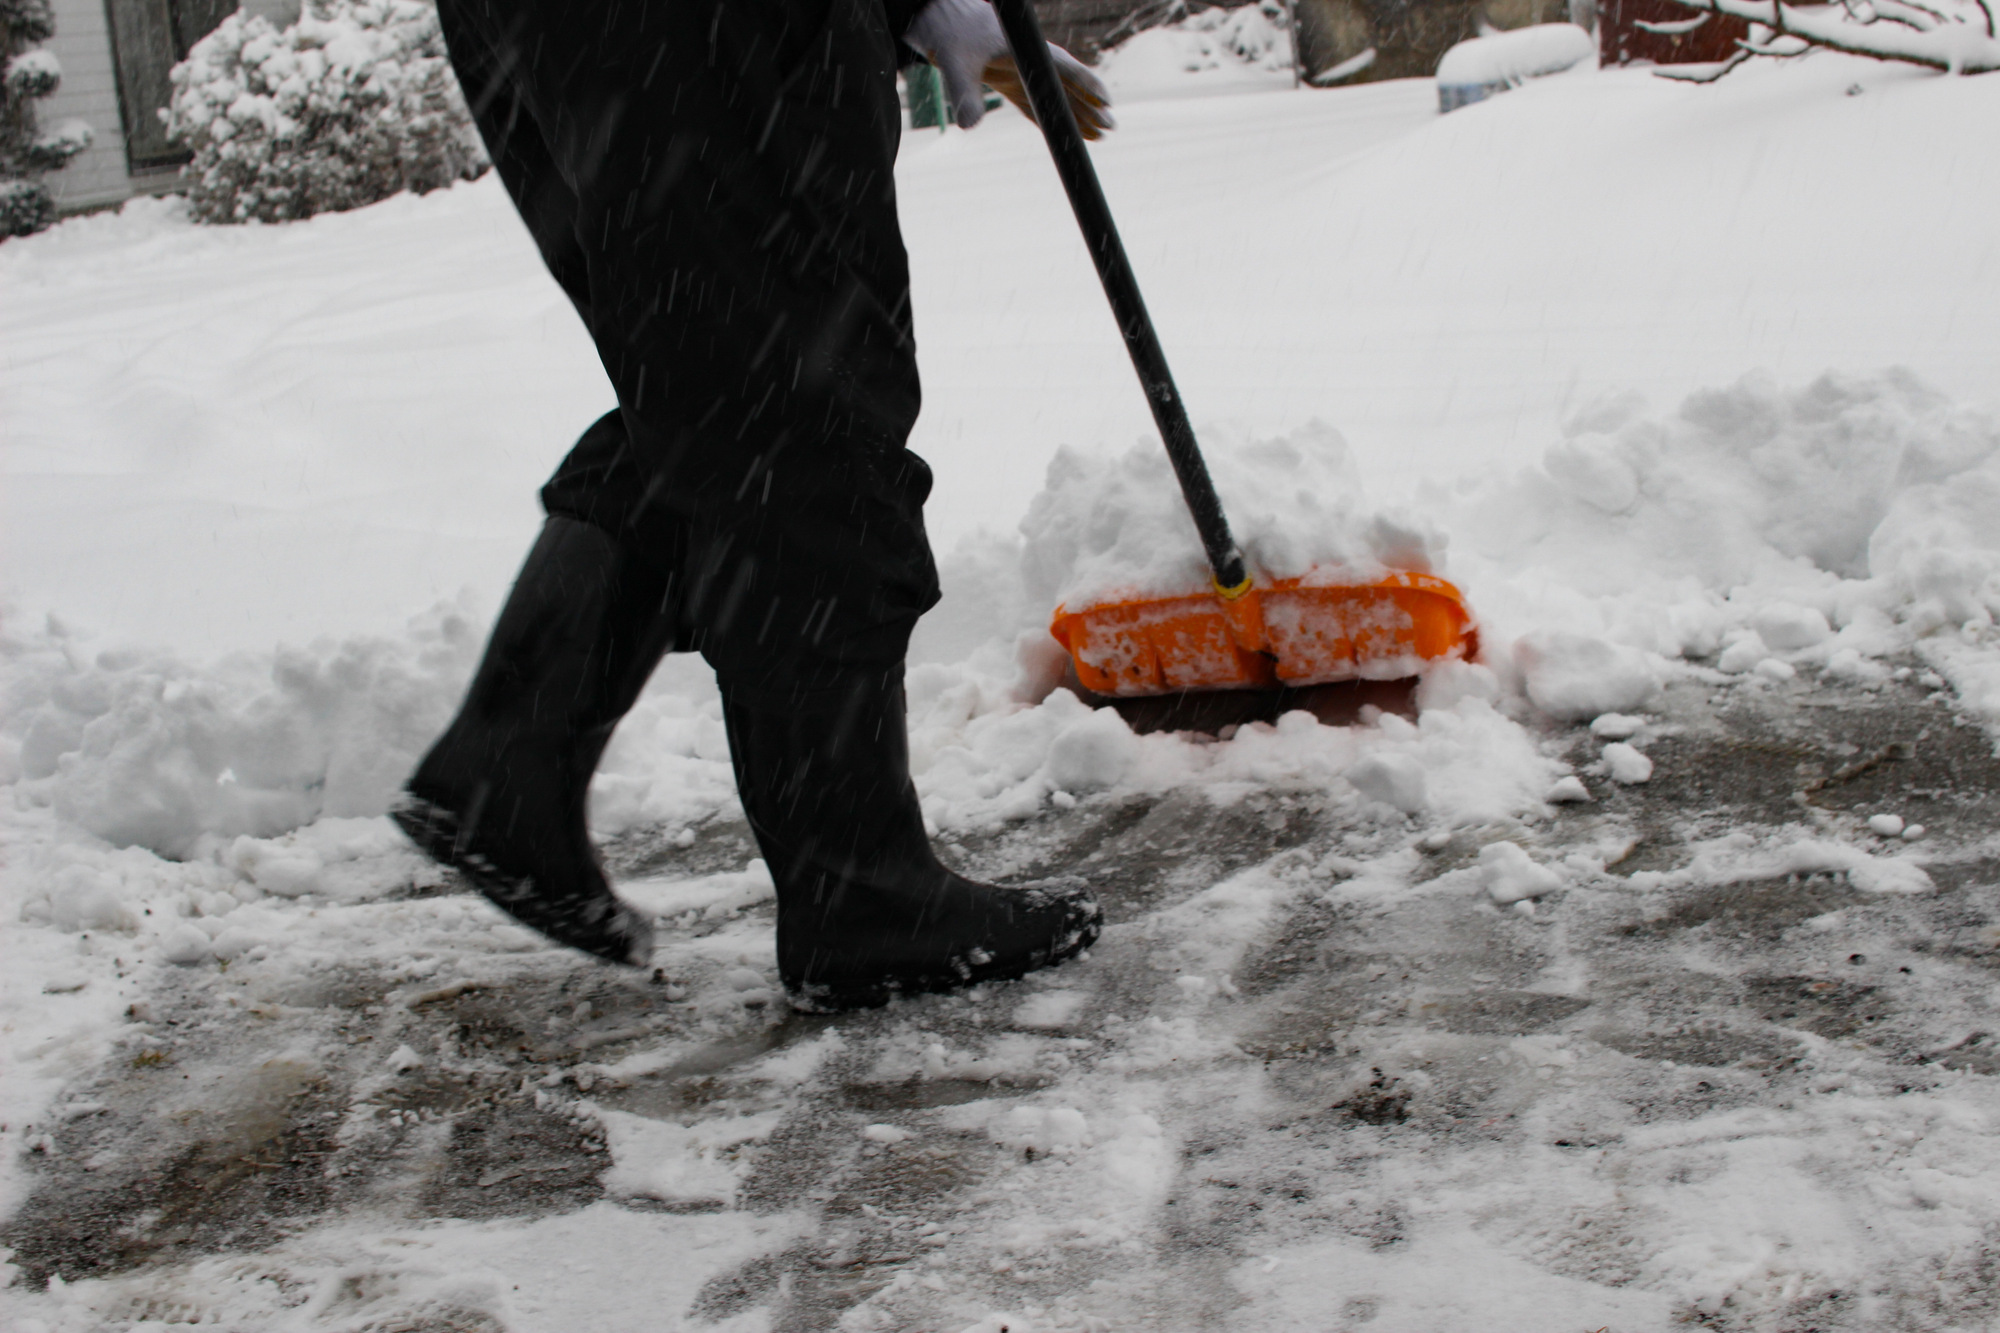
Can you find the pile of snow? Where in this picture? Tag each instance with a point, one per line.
(1462, 761)
(146, 750)
(1214, 49)
(1762, 528)
(1107, 527)
(1475, 69)
(150, 792)
(352, 103)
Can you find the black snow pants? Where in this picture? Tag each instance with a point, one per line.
(711, 183)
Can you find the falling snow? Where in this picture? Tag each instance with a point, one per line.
(1638, 975)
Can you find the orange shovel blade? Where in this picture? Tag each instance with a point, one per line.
(1284, 635)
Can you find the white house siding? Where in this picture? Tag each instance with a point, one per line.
(89, 93)
(281, 13)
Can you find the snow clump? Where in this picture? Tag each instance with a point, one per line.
(1788, 628)
(1093, 753)
(1051, 1009)
(1396, 780)
(1041, 1129)
(1576, 676)
(354, 102)
(1109, 527)
(1510, 875)
(1744, 652)
(1616, 726)
(1568, 790)
(1626, 765)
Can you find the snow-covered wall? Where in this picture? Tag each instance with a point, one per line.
(1475, 70)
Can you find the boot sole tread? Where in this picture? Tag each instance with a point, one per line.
(434, 829)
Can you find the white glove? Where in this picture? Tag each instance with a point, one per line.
(963, 38)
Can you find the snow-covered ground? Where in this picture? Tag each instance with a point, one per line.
(1588, 995)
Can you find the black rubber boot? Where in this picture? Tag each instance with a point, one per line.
(865, 909)
(500, 797)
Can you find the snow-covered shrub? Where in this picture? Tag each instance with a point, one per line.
(1177, 41)
(25, 153)
(1257, 34)
(353, 103)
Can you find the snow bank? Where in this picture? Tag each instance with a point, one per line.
(122, 828)
(1741, 474)
(1106, 527)
(1760, 527)
(1763, 528)
(143, 749)
(1767, 530)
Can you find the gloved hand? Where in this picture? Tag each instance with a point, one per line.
(964, 40)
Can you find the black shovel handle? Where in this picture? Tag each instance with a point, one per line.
(1093, 215)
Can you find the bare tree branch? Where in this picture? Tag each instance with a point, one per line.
(1954, 44)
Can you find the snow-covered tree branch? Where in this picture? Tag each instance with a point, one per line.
(1956, 36)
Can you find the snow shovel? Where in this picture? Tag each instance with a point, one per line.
(1238, 634)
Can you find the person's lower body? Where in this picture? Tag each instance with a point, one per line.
(711, 182)
(865, 909)
(501, 795)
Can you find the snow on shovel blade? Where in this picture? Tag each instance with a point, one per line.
(1286, 634)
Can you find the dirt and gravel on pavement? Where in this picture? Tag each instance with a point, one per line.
(1300, 1051)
